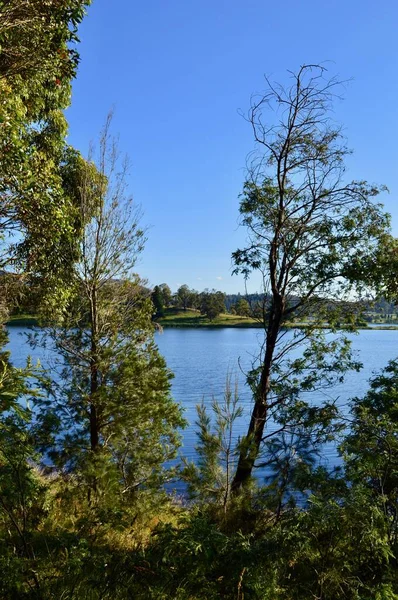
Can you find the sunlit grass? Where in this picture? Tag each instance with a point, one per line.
(193, 318)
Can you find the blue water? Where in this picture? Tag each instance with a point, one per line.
(202, 358)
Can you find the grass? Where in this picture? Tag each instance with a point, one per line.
(175, 317)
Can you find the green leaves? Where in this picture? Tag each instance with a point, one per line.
(306, 228)
(371, 448)
(111, 417)
(209, 478)
(36, 68)
(212, 303)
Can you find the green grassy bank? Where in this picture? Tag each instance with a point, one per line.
(175, 317)
(192, 318)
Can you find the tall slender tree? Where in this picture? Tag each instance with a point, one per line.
(112, 403)
(38, 61)
(306, 227)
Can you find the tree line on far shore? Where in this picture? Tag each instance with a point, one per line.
(211, 303)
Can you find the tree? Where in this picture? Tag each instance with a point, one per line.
(158, 303)
(306, 228)
(112, 414)
(242, 308)
(194, 299)
(21, 495)
(378, 270)
(209, 478)
(183, 295)
(166, 294)
(37, 228)
(35, 35)
(212, 303)
(371, 447)
(37, 63)
(22, 504)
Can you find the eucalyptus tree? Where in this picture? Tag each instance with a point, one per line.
(112, 403)
(306, 227)
(166, 294)
(183, 296)
(37, 64)
(212, 303)
(37, 218)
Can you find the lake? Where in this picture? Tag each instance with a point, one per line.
(201, 359)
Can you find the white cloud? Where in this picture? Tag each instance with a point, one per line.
(219, 278)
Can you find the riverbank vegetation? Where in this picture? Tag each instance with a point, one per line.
(93, 501)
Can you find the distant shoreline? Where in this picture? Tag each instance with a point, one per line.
(385, 327)
(191, 320)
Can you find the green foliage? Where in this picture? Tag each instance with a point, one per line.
(209, 478)
(335, 549)
(183, 296)
(330, 551)
(166, 294)
(58, 540)
(110, 416)
(22, 505)
(371, 447)
(306, 228)
(37, 64)
(212, 303)
(377, 269)
(92, 521)
(196, 561)
(106, 423)
(22, 494)
(158, 301)
(242, 308)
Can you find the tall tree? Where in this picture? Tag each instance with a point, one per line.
(37, 63)
(166, 294)
(306, 227)
(183, 296)
(212, 303)
(158, 302)
(112, 404)
(242, 308)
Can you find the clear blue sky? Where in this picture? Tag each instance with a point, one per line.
(177, 71)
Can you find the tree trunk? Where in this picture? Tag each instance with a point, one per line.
(94, 375)
(94, 429)
(252, 442)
